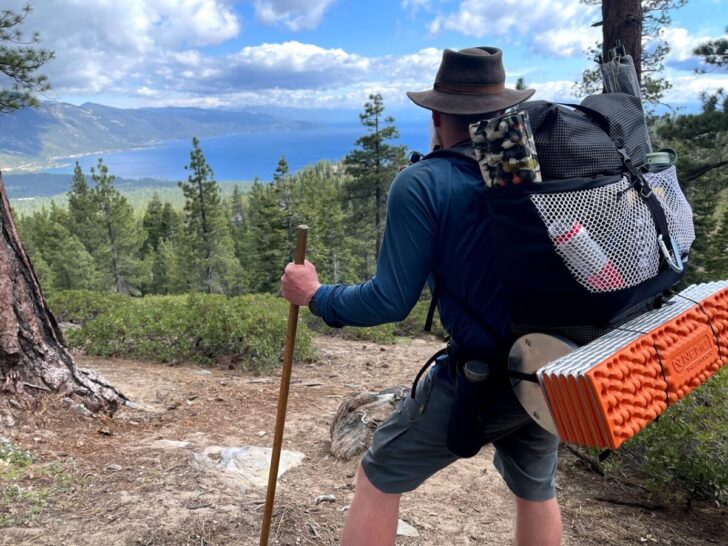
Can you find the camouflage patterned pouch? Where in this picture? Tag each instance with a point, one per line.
(505, 150)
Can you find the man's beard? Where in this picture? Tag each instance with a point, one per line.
(435, 140)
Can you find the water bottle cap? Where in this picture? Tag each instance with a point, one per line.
(476, 371)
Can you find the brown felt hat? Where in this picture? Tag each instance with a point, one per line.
(470, 81)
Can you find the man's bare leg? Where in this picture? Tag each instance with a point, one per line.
(372, 519)
(538, 523)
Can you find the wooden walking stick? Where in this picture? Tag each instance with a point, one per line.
(298, 258)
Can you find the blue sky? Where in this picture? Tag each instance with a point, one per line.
(328, 53)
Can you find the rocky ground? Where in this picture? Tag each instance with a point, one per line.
(149, 476)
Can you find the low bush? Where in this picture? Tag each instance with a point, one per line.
(248, 331)
(80, 306)
(683, 456)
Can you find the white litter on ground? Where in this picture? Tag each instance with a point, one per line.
(248, 465)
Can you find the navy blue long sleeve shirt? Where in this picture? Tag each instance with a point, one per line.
(437, 227)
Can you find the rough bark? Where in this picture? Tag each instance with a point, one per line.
(358, 417)
(33, 358)
(622, 20)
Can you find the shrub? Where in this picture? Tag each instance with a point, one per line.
(684, 454)
(248, 331)
(80, 306)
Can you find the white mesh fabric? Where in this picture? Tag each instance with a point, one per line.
(677, 209)
(607, 237)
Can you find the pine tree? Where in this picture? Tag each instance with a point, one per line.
(207, 239)
(19, 63)
(283, 187)
(83, 211)
(320, 207)
(238, 223)
(266, 247)
(373, 167)
(30, 340)
(64, 261)
(117, 256)
(701, 141)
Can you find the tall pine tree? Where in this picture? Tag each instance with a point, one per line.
(117, 255)
(207, 242)
(83, 210)
(373, 167)
(266, 247)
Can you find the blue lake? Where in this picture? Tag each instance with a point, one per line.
(246, 155)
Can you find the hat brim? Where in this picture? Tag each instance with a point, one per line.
(461, 104)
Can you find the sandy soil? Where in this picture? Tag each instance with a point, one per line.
(126, 486)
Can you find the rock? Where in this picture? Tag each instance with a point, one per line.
(358, 417)
(65, 326)
(248, 466)
(170, 444)
(113, 467)
(325, 498)
(76, 407)
(404, 529)
(261, 433)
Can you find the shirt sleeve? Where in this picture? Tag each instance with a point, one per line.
(405, 259)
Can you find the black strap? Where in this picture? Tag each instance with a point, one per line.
(432, 308)
(649, 197)
(523, 376)
(430, 360)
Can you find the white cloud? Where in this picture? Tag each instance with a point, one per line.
(415, 5)
(295, 14)
(101, 43)
(560, 27)
(566, 42)
(687, 89)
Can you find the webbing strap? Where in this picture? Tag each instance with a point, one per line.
(432, 308)
(523, 376)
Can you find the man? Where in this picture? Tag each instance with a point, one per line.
(437, 227)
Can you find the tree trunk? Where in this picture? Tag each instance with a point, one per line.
(622, 20)
(358, 417)
(33, 358)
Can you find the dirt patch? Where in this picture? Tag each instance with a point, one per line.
(137, 480)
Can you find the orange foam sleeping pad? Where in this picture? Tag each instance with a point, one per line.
(602, 394)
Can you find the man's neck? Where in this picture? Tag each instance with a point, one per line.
(450, 140)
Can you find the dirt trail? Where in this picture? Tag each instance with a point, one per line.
(135, 478)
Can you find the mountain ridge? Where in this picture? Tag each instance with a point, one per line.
(32, 139)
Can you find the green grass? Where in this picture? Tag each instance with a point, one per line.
(29, 489)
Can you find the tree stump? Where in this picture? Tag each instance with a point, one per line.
(33, 357)
(358, 417)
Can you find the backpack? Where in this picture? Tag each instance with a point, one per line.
(605, 234)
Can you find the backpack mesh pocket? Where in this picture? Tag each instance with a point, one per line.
(606, 235)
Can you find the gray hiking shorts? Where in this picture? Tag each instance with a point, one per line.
(410, 447)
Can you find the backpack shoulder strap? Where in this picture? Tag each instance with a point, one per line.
(456, 152)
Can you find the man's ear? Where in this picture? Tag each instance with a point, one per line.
(436, 119)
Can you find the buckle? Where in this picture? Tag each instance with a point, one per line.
(675, 261)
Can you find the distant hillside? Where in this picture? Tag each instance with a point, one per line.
(33, 138)
(138, 193)
(24, 186)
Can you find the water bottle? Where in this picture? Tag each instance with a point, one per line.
(584, 256)
(473, 392)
